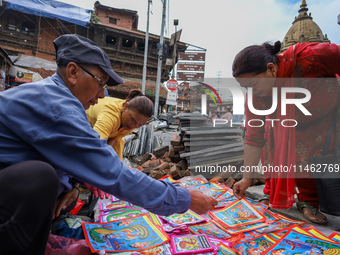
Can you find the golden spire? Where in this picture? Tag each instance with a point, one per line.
(303, 4)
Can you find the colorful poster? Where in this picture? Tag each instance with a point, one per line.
(246, 228)
(222, 185)
(237, 214)
(225, 250)
(279, 234)
(256, 245)
(225, 195)
(214, 192)
(121, 214)
(210, 229)
(303, 244)
(254, 202)
(282, 217)
(191, 182)
(132, 234)
(191, 244)
(335, 237)
(128, 212)
(241, 237)
(114, 199)
(205, 186)
(269, 216)
(216, 242)
(155, 219)
(167, 178)
(179, 230)
(275, 225)
(312, 230)
(109, 206)
(187, 218)
(121, 209)
(226, 201)
(163, 249)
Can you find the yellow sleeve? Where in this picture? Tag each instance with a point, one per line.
(119, 147)
(107, 122)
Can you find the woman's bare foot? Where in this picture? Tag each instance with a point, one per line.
(311, 213)
(317, 218)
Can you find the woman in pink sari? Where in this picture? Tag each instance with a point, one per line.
(261, 68)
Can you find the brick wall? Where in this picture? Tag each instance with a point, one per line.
(123, 20)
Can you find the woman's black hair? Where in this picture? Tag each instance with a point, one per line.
(255, 58)
(140, 103)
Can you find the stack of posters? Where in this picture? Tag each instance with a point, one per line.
(234, 227)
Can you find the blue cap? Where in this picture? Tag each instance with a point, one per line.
(81, 50)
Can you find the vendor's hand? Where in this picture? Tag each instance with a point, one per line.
(201, 203)
(96, 191)
(241, 186)
(64, 200)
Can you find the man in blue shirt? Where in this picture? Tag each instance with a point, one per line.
(45, 138)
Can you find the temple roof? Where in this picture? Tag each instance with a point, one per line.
(304, 29)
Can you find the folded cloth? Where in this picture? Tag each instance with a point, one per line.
(65, 231)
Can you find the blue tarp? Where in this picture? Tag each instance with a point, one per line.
(52, 9)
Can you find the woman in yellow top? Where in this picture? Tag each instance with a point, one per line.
(114, 118)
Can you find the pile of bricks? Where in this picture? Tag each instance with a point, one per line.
(165, 160)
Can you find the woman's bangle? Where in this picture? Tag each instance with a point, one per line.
(76, 187)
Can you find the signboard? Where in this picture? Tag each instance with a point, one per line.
(23, 76)
(171, 98)
(200, 56)
(175, 37)
(172, 85)
(191, 66)
(190, 76)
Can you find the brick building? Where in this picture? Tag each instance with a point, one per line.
(30, 27)
(24, 32)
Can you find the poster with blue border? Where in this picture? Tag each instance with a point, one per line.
(131, 234)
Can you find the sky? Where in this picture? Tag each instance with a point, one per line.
(224, 27)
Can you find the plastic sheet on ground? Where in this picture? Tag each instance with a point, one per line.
(59, 245)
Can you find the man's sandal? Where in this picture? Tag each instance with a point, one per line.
(302, 205)
(264, 199)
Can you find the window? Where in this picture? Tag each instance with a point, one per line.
(28, 29)
(113, 20)
(12, 24)
(127, 43)
(111, 40)
(154, 49)
(141, 46)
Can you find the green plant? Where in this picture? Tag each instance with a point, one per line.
(94, 17)
(148, 92)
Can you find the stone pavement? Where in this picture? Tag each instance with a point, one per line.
(256, 192)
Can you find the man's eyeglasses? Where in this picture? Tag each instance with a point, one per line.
(101, 83)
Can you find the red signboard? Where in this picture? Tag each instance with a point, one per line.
(172, 85)
(191, 66)
(191, 56)
(188, 76)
